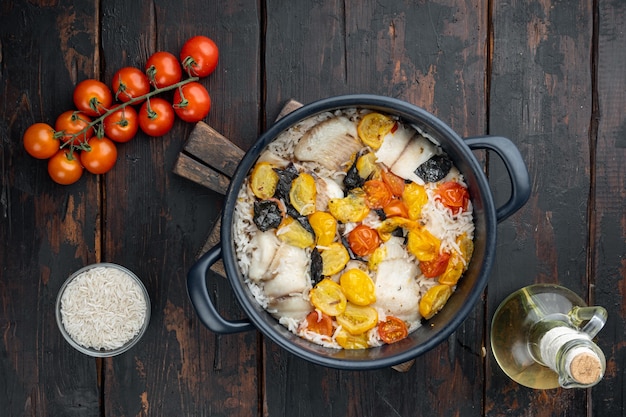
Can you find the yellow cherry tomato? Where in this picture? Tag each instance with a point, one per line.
(423, 245)
(325, 227)
(387, 226)
(349, 341)
(414, 197)
(377, 257)
(458, 261)
(292, 232)
(328, 297)
(434, 300)
(358, 319)
(358, 287)
(373, 127)
(334, 258)
(453, 271)
(350, 209)
(467, 247)
(302, 194)
(366, 166)
(263, 180)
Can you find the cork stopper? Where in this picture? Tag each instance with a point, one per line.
(586, 368)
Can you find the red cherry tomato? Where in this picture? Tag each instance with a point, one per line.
(377, 194)
(40, 141)
(396, 208)
(192, 102)
(392, 330)
(320, 323)
(100, 156)
(163, 69)
(395, 183)
(363, 240)
(156, 117)
(199, 56)
(129, 83)
(92, 97)
(454, 196)
(74, 123)
(64, 167)
(121, 125)
(436, 267)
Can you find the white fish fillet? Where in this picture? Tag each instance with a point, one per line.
(289, 272)
(397, 291)
(393, 145)
(418, 151)
(331, 143)
(327, 189)
(294, 307)
(265, 245)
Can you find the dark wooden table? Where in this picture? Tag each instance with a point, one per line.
(549, 75)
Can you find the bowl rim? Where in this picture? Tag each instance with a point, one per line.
(90, 351)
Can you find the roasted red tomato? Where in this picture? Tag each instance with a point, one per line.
(320, 323)
(92, 97)
(392, 330)
(129, 83)
(192, 102)
(199, 56)
(64, 167)
(395, 183)
(156, 117)
(396, 208)
(163, 69)
(363, 240)
(121, 125)
(40, 142)
(377, 194)
(436, 267)
(454, 196)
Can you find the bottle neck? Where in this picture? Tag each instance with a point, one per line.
(572, 355)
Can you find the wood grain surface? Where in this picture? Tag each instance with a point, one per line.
(548, 75)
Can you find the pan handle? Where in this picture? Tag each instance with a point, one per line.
(202, 303)
(510, 155)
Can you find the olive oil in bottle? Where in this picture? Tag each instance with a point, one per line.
(541, 336)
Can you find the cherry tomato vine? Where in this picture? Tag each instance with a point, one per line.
(86, 138)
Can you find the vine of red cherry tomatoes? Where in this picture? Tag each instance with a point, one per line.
(87, 138)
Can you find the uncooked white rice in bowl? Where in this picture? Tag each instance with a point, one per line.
(103, 309)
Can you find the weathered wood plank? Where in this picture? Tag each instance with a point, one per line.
(431, 54)
(541, 99)
(211, 147)
(608, 233)
(190, 168)
(156, 220)
(47, 231)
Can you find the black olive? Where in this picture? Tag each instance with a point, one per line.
(352, 178)
(285, 177)
(267, 215)
(381, 214)
(435, 169)
(317, 266)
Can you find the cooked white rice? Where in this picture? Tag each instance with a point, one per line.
(103, 308)
(435, 217)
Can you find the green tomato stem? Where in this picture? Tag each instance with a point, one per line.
(100, 119)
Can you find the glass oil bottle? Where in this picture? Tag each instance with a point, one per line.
(541, 336)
